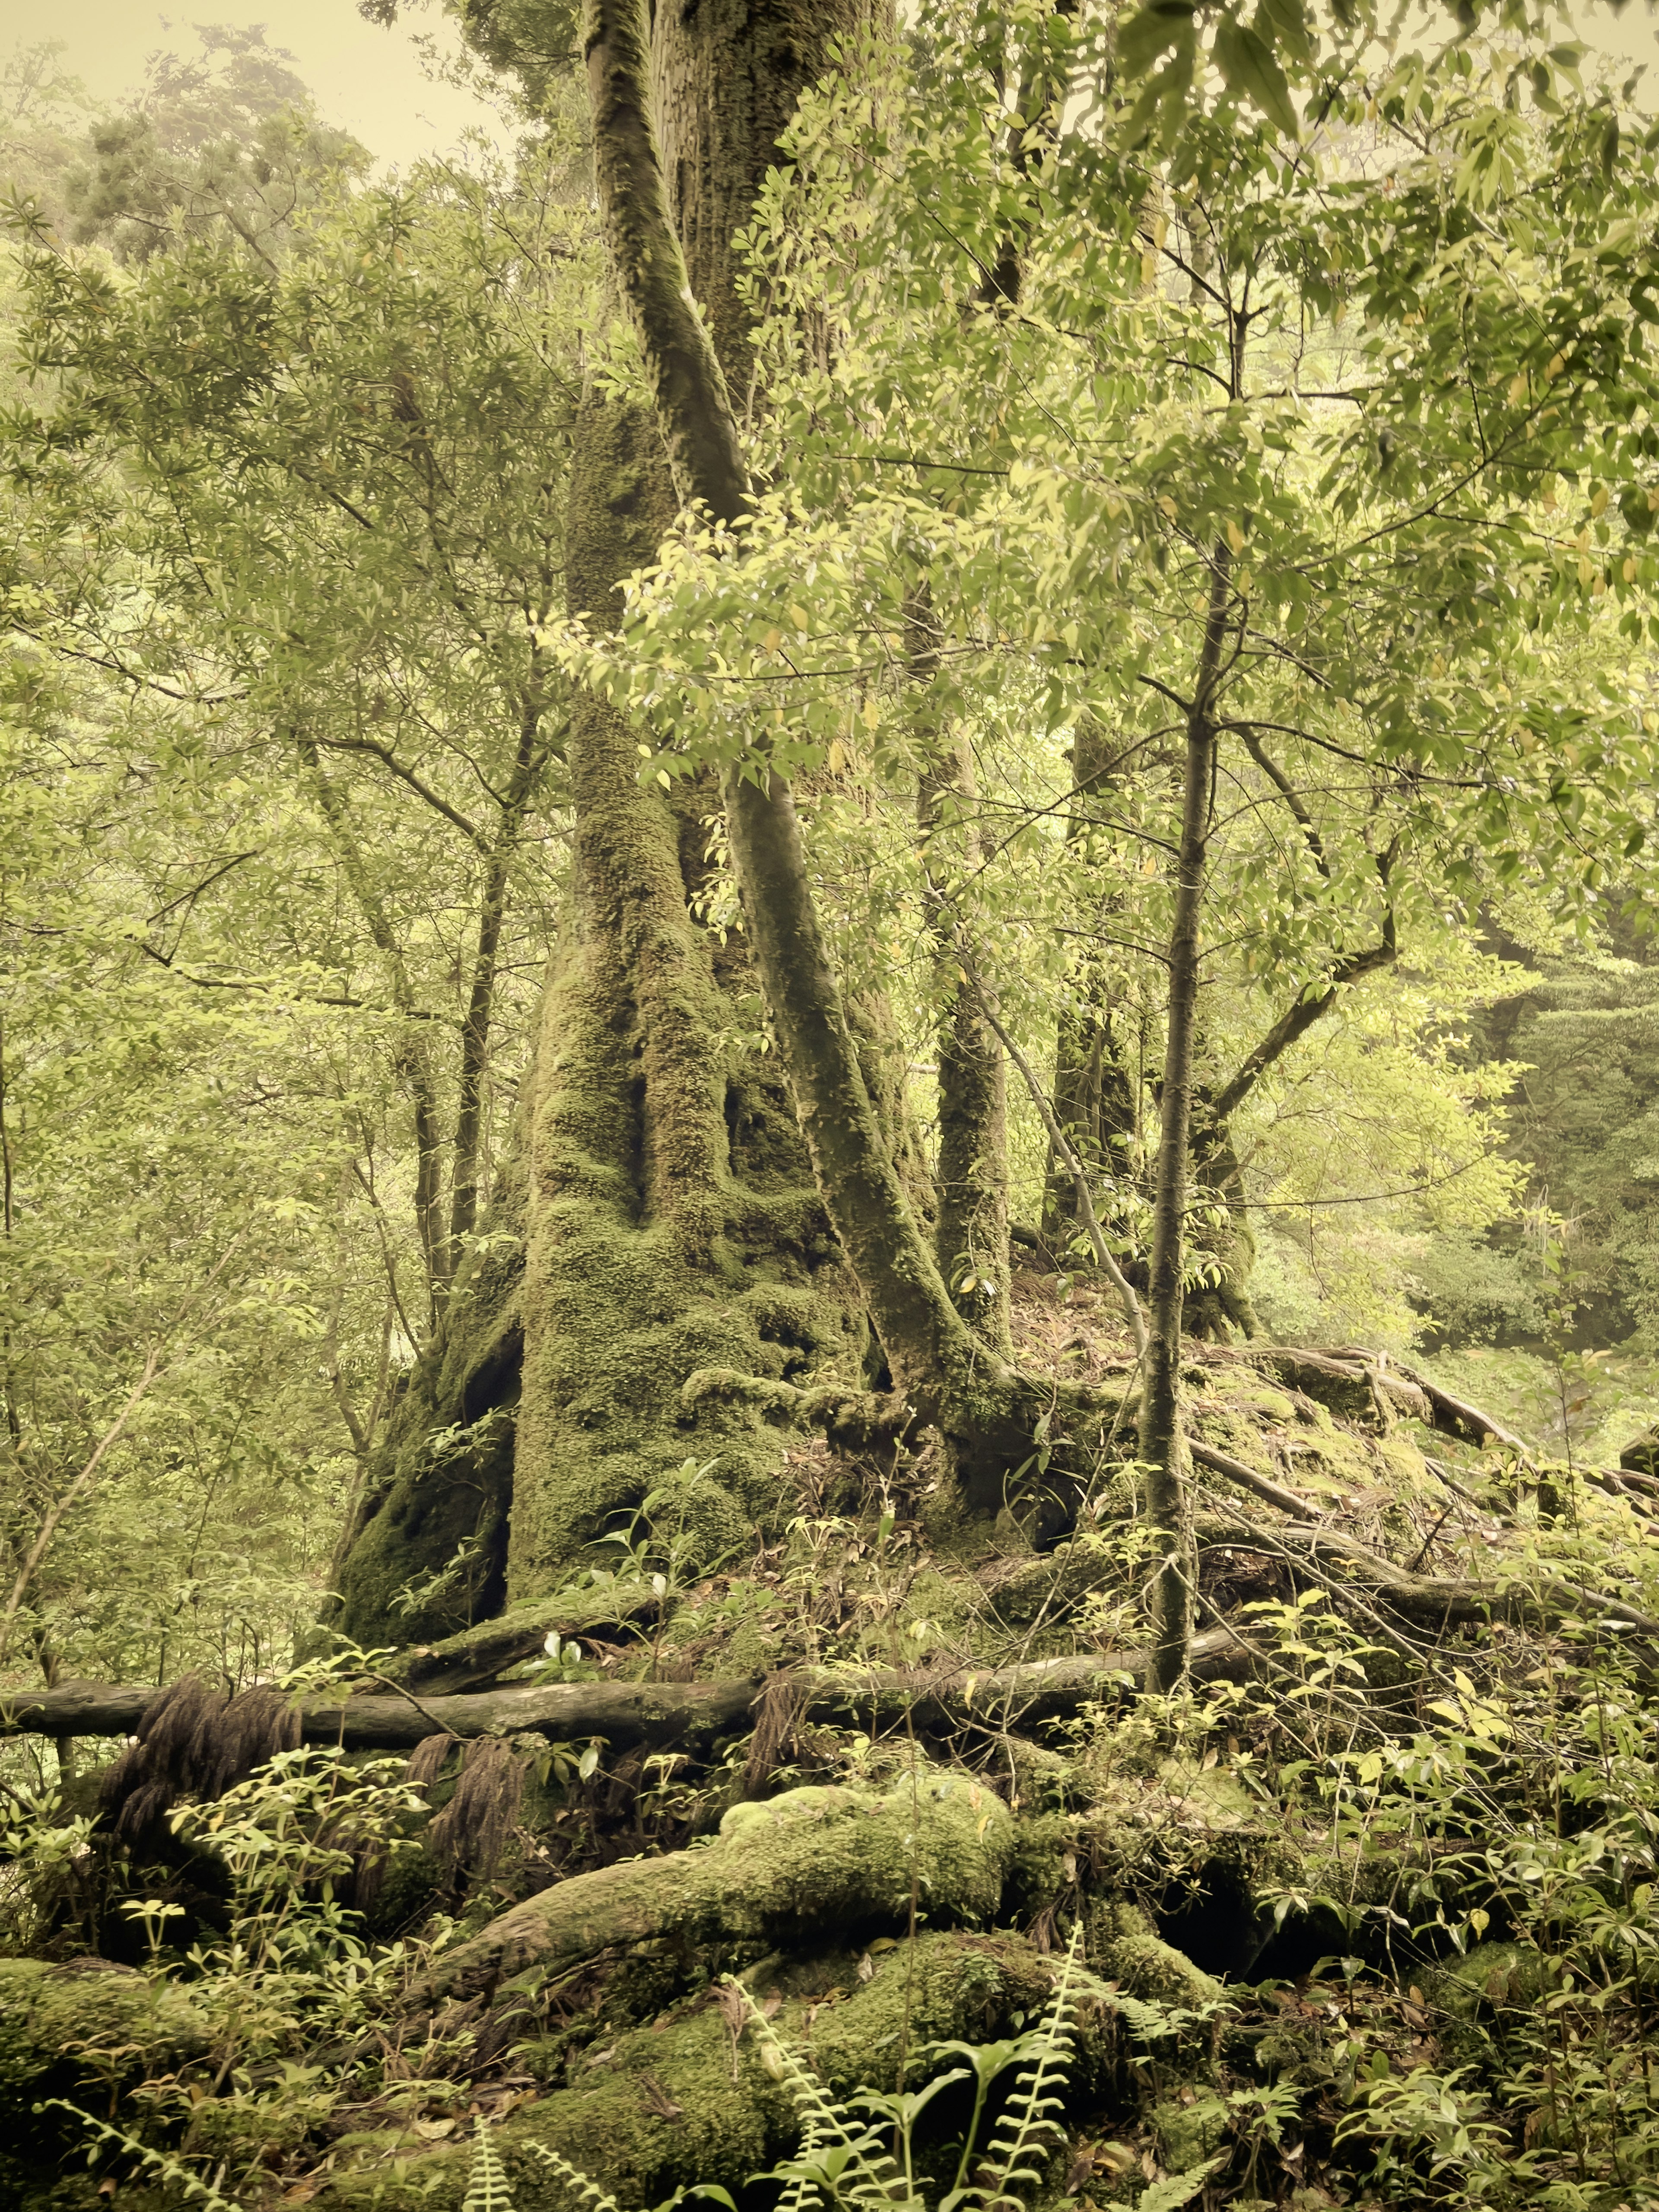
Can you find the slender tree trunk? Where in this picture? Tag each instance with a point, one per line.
(464, 1175)
(970, 1235)
(412, 1058)
(1095, 1100)
(1163, 1443)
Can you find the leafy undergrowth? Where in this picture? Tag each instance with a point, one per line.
(1369, 1922)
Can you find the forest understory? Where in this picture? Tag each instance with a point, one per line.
(824, 897)
(876, 1832)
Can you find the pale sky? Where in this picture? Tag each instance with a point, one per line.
(369, 80)
(373, 82)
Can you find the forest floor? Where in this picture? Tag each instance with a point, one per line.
(1363, 1915)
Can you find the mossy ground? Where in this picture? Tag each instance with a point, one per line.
(1265, 1964)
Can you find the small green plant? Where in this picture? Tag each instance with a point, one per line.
(155, 1915)
(562, 1661)
(106, 2139)
(40, 1853)
(486, 2186)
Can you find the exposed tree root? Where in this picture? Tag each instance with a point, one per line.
(1429, 1601)
(1259, 1485)
(812, 1861)
(477, 1657)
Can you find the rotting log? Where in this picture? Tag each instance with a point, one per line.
(83, 2029)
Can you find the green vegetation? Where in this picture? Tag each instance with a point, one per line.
(829, 1279)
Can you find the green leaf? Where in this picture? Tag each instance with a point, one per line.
(1180, 2188)
(1145, 36)
(1285, 23)
(1249, 66)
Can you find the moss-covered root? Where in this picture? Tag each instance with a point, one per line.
(690, 2098)
(1124, 1946)
(813, 1859)
(76, 2030)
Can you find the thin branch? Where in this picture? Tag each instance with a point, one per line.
(1063, 1146)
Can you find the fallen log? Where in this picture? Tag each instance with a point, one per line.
(629, 1713)
(624, 1713)
(1451, 1416)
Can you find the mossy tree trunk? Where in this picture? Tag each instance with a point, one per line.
(660, 1216)
(945, 1374)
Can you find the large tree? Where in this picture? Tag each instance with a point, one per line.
(665, 1205)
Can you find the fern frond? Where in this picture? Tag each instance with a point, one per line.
(840, 2160)
(487, 2189)
(160, 2163)
(1028, 2130)
(586, 2189)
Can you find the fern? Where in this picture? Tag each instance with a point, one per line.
(1029, 2129)
(164, 2167)
(586, 2189)
(487, 2189)
(838, 2162)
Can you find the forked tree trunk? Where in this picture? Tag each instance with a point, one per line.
(661, 1190)
(952, 1378)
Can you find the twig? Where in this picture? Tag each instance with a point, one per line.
(1062, 1144)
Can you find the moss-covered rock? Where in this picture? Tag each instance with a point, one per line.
(690, 2098)
(77, 2030)
(810, 1861)
(1493, 1975)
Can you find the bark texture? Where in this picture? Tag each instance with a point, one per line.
(664, 1218)
(672, 1223)
(985, 1414)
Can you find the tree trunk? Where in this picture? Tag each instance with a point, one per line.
(1095, 1101)
(970, 1235)
(986, 1415)
(411, 1056)
(664, 1198)
(1163, 1443)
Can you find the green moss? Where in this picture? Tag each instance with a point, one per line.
(442, 1482)
(1188, 2131)
(1124, 1946)
(685, 2100)
(75, 2031)
(1492, 1974)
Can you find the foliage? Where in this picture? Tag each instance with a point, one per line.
(1361, 331)
(1422, 689)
